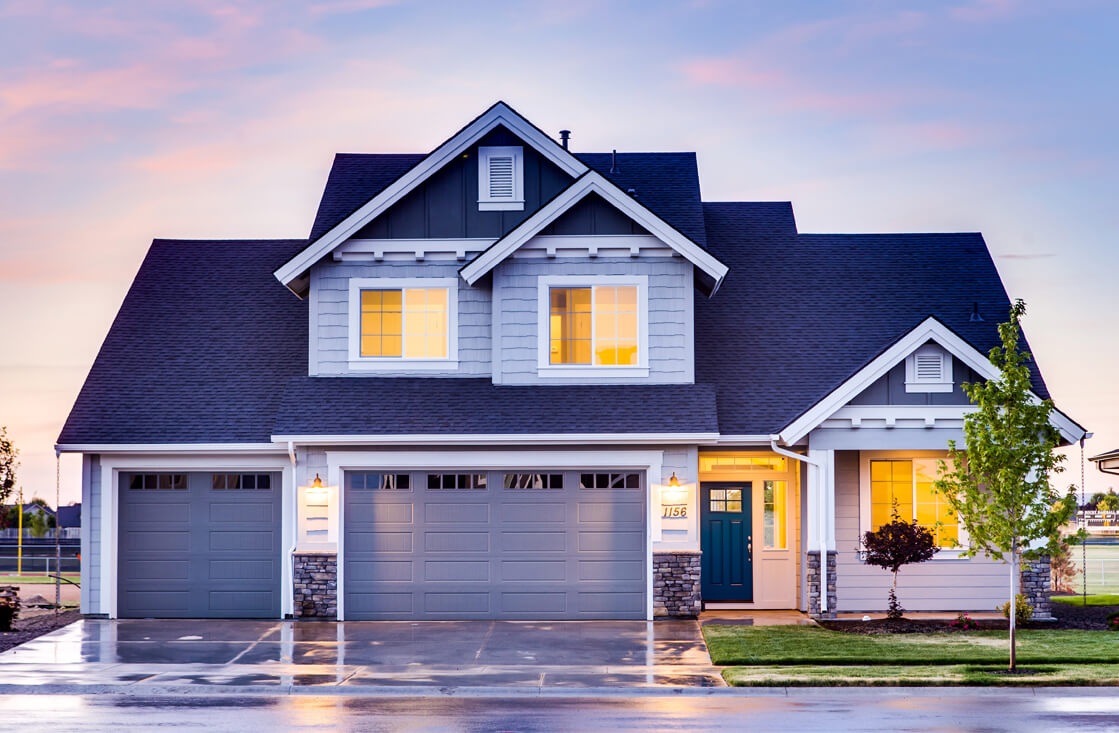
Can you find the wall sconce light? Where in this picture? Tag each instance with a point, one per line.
(673, 481)
(674, 499)
(317, 483)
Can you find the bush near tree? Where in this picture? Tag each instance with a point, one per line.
(893, 546)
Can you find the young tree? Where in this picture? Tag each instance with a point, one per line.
(8, 465)
(999, 486)
(895, 544)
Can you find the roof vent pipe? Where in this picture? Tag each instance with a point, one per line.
(565, 135)
(975, 312)
(613, 161)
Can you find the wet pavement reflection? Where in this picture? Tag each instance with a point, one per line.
(569, 654)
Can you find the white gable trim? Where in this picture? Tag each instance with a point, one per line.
(930, 329)
(592, 182)
(499, 114)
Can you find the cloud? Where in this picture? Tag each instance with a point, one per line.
(982, 11)
(336, 7)
(1027, 256)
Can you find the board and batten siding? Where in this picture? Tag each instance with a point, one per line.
(671, 334)
(975, 584)
(329, 316)
(889, 389)
(91, 535)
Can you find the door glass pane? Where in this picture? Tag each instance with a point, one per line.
(774, 515)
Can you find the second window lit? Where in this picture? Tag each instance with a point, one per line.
(594, 325)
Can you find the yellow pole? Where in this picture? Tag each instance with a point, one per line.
(19, 537)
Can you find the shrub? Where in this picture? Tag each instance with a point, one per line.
(1023, 609)
(895, 544)
(1113, 621)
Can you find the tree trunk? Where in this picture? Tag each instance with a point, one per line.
(1013, 601)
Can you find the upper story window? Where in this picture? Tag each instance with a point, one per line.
(501, 178)
(928, 369)
(403, 323)
(594, 325)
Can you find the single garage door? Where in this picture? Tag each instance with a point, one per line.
(503, 545)
(199, 545)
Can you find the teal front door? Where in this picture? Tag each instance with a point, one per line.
(727, 541)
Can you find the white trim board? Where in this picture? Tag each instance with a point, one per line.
(499, 114)
(929, 330)
(502, 439)
(113, 448)
(593, 182)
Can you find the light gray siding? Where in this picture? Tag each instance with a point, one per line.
(91, 535)
(975, 584)
(329, 313)
(671, 340)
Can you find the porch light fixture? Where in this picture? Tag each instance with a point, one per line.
(673, 481)
(317, 483)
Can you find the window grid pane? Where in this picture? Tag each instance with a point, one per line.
(454, 481)
(410, 323)
(615, 321)
(570, 326)
(379, 481)
(910, 483)
(610, 481)
(774, 515)
(533, 481)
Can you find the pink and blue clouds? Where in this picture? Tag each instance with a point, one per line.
(124, 121)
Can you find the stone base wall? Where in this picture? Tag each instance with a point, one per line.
(1037, 585)
(9, 596)
(814, 585)
(316, 585)
(676, 584)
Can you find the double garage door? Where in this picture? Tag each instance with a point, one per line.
(547, 545)
(416, 545)
(199, 545)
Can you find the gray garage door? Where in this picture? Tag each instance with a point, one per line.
(199, 545)
(510, 545)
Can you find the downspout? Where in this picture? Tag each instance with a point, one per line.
(823, 527)
(295, 520)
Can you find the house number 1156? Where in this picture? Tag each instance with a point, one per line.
(675, 510)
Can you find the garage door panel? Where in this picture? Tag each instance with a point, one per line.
(457, 514)
(436, 541)
(194, 549)
(534, 570)
(467, 570)
(536, 550)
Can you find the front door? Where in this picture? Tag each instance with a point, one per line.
(726, 541)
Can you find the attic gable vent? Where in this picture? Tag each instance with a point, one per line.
(501, 178)
(928, 369)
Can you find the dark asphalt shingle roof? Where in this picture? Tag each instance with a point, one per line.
(666, 183)
(410, 406)
(806, 311)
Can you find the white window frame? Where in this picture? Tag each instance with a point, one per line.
(400, 363)
(865, 457)
(488, 202)
(545, 368)
(915, 384)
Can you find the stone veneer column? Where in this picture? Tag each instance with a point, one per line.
(814, 585)
(676, 584)
(1037, 586)
(316, 585)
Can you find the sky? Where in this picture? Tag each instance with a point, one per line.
(125, 121)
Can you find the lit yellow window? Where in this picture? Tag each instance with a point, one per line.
(411, 323)
(910, 484)
(774, 514)
(596, 325)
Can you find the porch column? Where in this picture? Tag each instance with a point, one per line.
(820, 542)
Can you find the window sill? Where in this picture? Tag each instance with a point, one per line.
(552, 371)
(403, 365)
(919, 387)
(501, 206)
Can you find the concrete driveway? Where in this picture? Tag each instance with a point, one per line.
(451, 654)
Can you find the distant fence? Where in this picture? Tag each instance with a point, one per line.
(38, 566)
(68, 533)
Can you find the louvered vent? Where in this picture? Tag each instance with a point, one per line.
(501, 177)
(929, 367)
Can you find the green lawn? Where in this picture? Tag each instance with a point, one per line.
(799, 645)
(920, 675)
(1099, 599)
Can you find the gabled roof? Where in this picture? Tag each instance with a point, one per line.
(807, 311)
(592, 182)
(499, 114)
(928, 330)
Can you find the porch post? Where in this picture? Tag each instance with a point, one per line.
(821, 534)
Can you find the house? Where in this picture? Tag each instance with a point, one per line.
(70, 515)
(1107, 462)
(506, 379)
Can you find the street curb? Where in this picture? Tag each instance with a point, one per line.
(230, 691)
